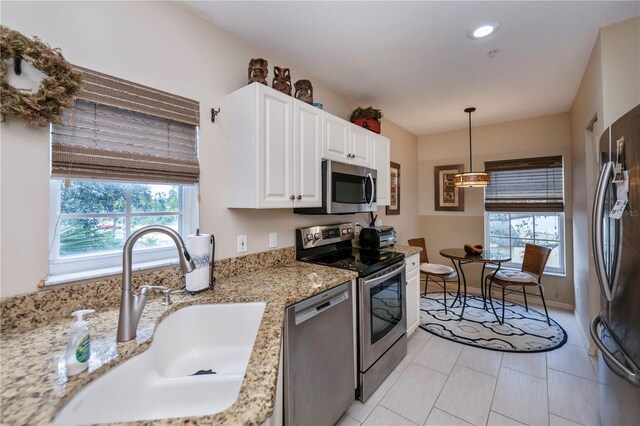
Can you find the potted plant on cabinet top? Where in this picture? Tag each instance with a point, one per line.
(369, 118)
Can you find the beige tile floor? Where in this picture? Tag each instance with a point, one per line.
(446, 383)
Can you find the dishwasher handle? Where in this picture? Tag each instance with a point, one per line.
(321, 303)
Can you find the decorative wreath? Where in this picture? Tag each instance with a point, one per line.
(57, 89)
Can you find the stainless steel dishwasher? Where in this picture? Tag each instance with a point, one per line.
(319, 377)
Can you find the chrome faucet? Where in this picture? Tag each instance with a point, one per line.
(131, 306)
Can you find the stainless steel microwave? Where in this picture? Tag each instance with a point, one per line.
(346, 189)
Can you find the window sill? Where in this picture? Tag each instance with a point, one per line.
(106, 273)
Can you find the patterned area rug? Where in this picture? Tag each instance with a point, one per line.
(522, 331)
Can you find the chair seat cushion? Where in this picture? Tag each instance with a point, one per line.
(436, 269)
(514, 276)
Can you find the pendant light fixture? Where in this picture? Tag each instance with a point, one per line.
(471, 179)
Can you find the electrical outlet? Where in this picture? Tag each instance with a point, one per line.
(242, 243)
(273, 240)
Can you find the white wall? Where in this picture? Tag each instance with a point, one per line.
(620, 68)
(404, 148)
(166, 46)
(534, 137)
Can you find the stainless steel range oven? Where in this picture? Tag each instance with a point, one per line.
(382, 322)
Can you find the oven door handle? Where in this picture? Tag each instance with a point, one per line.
(384, 277)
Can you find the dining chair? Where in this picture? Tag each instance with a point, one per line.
(533, 263)
(433, 271)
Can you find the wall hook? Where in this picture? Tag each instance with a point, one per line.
(213, 114)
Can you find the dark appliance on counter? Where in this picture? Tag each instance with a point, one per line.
(380, 295)
(377, 237)
(616, 230)
(346, 189)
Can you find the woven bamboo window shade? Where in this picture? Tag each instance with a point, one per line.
(525, 185)
(119, 130)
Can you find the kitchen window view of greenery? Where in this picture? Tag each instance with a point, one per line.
(93, 219)
(97, 217)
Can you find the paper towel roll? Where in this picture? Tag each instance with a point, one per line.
(199, 247)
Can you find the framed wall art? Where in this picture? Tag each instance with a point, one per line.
(394, 184)
(447, 196)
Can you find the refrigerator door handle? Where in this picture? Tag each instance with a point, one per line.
(598, 211)
(630, 369)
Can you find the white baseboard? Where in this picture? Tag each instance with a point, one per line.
(592, 349)
(516, 297)
(412, 328)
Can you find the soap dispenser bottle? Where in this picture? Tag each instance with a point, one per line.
(79, 346)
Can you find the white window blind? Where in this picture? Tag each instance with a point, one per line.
(125, 131)
(525, 185)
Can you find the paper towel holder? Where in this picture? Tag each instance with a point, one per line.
(212, 278)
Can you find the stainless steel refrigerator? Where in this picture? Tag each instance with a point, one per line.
(616, 244)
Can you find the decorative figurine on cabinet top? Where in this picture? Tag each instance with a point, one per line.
(282, 80)
(258, 70)
(304, 91)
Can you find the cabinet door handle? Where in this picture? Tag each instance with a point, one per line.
(299, 197)
(293, 197)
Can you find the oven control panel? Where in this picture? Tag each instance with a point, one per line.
(315, 236)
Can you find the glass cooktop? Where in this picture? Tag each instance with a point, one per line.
(363, 261)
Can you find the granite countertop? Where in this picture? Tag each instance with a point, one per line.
(34, 381)
(406, 250)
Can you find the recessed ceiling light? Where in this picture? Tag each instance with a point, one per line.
(483, 31)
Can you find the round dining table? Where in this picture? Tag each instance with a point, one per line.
(462, 258)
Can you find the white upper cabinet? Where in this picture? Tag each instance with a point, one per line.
(308, 155)
(360, 146)
(335, 142)
(276, 145)
(274, 150)
(381, 153)
(345, 142)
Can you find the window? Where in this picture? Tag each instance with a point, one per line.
(508, 233)
(123, 157)
(91, 220)
(524, 204)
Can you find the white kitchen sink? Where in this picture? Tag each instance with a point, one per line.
(159, 383)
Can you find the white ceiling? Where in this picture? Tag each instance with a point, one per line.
(414, 61)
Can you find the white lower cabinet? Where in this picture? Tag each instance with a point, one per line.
(413, 292)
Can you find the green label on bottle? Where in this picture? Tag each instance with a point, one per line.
(83, 351)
